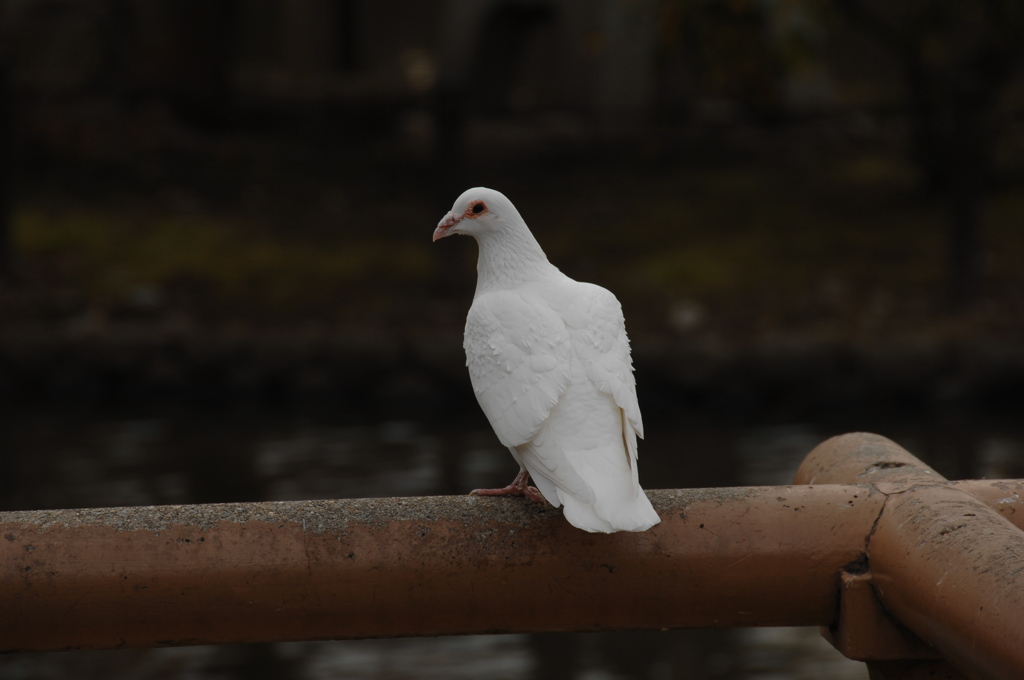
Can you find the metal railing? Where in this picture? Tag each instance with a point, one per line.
(900, 567)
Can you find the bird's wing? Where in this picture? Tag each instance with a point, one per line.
(600, 341)
(591, 466)
(518, 352)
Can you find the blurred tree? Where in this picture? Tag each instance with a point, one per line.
(505, 35)
(115, 32)
(347, 22)
(956, 59)
(726, 52)
(6, 167)
(176, 52)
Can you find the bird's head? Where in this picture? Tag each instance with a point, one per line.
(477, 212)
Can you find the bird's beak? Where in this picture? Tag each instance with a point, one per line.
(445, 226)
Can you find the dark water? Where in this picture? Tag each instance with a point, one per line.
(85, 459)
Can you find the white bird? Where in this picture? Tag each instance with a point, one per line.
(550, 365)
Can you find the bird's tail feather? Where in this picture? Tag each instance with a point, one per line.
(598, 487)
(636, 515)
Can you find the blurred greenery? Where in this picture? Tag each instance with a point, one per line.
(107, 253)
(753, 247)
(794, 167)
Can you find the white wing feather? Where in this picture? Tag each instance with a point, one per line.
(518, 353)
(601, 342)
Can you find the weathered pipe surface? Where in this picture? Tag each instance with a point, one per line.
(943, 563)
(867, 459)
(179, 575)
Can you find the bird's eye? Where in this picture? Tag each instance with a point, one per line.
(478, 208)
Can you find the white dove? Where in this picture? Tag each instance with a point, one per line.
(549, 361)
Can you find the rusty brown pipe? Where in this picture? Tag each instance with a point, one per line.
(174, 575)
(426, 566)
(942, 562)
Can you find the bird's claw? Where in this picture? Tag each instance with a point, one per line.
(519, 487)
(533, 494)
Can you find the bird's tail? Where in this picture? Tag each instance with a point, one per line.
(610, 514)
(598, 486)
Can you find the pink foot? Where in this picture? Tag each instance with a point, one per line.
(518, 487)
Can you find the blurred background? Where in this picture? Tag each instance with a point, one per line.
(217, 281)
